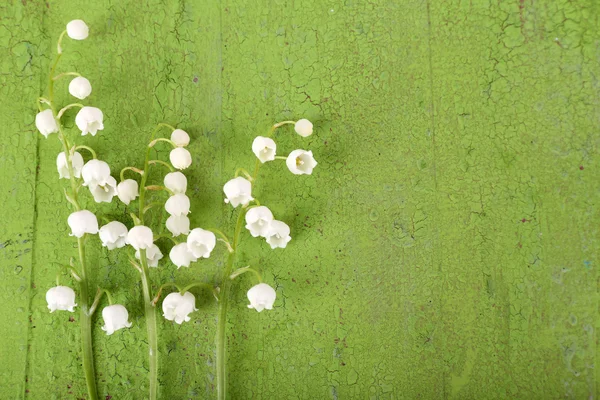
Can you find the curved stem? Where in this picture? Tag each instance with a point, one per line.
(57, 77)
(243, 270)
(162, 139)
(134, 169)
(65, 108)
(152, 162)
(88, 148)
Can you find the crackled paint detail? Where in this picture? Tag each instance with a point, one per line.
(446, 246)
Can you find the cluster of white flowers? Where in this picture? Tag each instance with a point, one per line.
(180, 157)
(261, 223)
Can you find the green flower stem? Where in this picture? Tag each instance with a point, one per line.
(65, 108)
(243, 270)
(92, 152)
(152, 162)
(153, 142)
(134, 169)
(57, 77)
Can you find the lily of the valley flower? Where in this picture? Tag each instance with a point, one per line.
(60, 298)
(181, 256)
(127, 191)
(301, 162)
(180, 158)
(178, 205)
(262, 297)
(153, 254)
(77, 29)
(178, 225)
(180, 137)
(264, 148)
(140, 237)
(63, 167)
(303, 127)
(115, 317)
(278, 234)
(80, 87)
(89, 120)
(82, 222)
(177, 307)
(45, 123)
(113, 235)
(96, 176)
(258, 220)
(238, 191)
(201, 242)
(176, 182)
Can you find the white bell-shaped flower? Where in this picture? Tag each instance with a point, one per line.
(176, 182)
(262, 297)
(77, 29)
(181, 255)
(201, 242)
(303, 127)
(177, 307)
(80, 87)
(60, 298)
(301, 162)
(264, 148)
(113, 235)
(63, 167)
(153, 254)
(96, 176)
(140, 237)
(258, 220)
(178, 225)
(115, 317)
(128, 190)
(278, 234)
(180, 158)
(238, 191)
(89, 120)
(180, 137)
(178, 205)
(45, 122)
(82, 222)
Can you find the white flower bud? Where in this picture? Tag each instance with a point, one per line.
(264, 148)
(180, 158)
(60, 298)
(238, 191)
(176, 182)
(153, 254)
(77, 30)
(178, 225)
(261, 296)
(178, 205)
(181, 256)
(301, 162)
(177, 307)
(115, 317)
(258, 220)
(89, 120)
(201, 242)
(96, 176)
(278, 234)
(80, 87)
(303, 127)
(180, 137)
(113, 235)
(82, 222)
(45, 122)
(140, 237)
(63, 167)
(127, 191)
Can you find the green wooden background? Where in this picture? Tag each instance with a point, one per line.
(446, 246)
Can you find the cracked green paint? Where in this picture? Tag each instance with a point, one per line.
(446, 247)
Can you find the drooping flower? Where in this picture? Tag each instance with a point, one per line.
(178, 205)
(77, 30)
(301, 162)
(278, 234)
(177, 307)
(201, 242)
(178, 225)
(60, 298)
(180, 158)
(176, 182)
(140, 237)
(128, 190)
(258, 220)
(89, 120)
(63, 167)
(153, 254)
(82, 222)
(80, 87)
(180, 137)
(96, 176)
(45, 122)
(262, 297)
(113, 235)
(303, 127)
(264, 148)
(115, 317)
(238, 191)
(181, 256)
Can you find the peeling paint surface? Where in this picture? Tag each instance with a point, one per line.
(446, 246)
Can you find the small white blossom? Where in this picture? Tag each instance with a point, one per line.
(258, 220)
(96, 176)
(262, 297)
(140, 237)
(115, 317)
(113, 235)
(180, 137)
(278, 234)
(45, 122)
(180, 158)
(63, 167)
(128, 190)
(60, 298)
(301, 162)
(264, 148)
(153, 254)
(177, 307)
(201, 242)
(80, 87)
(303, 127)
(82, 222)
(89, 120)
(178, 225)
(181, 256)
(178, 205)
(238, 191)
(176, 182)
(77, 29)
